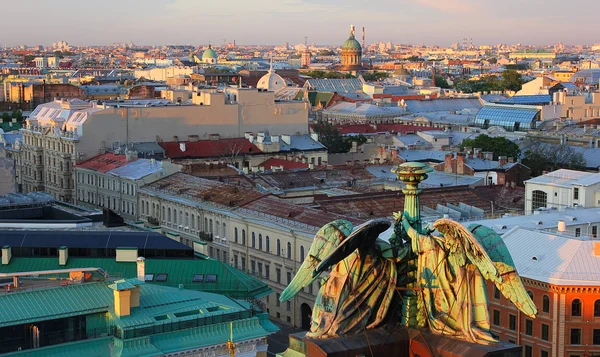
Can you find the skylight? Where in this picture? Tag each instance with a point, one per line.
(161, 278)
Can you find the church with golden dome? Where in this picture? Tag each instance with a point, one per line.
(351, 58)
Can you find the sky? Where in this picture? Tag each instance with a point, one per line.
(324, 22)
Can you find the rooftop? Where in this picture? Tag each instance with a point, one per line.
(104, 162)
(220, 148)
(566, 178)
(554, 259)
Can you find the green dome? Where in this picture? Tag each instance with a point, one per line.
(351, 44)
(209, 54)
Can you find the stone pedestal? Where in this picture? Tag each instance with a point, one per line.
(399, 342)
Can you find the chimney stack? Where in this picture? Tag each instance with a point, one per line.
(460, 163)
(448, 163)
(562, 226)
(141, 268)
(502, 160)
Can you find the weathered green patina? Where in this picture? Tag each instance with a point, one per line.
(441, 280)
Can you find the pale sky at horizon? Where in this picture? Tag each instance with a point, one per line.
(325, 22)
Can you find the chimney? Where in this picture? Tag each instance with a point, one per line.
(448, 162)
(193, 138)
(562, 226)
(460, 163)
(488, 155)
(502, 160)
(511, 160)
(141, 268)
(63, 255)
(6, 254)
(126, 295)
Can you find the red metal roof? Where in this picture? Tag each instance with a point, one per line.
(287, 164)
(105, 162)
(209, 148)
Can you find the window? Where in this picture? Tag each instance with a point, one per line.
(210, 226)
(528, 327)
(148, 277)
(289, 277)
(211, 278)
(594, 231)
(546, 304)
(278, 247)
(496, 318)
(243, 237)
(512, 322)
(545, 332)
(267, 271)
(161, 278)
(198, 278)
(530, 293)
(597, 308)
(267, 244)
(260, 269)
(575, 193)
(301, 253)
(217, 228)
(289, 250)
(596, 337)
(224, 230)
(253, 266)
(278, 275)
(235, 234)
(277, 302)
(576, 307)
(538, 199)
(288, 305)
(243, 264)
(543, 353)
(253, 240)
(528, 351)
(260, 241)
(496, 293)
(575, 336)
(205, 224)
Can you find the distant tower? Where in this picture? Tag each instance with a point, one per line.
(363, 37)
(306, 54)
(464, 47)
(471, 44)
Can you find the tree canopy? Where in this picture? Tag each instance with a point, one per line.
(511, 80)
(441, 82)
(323, 74)
(375, 76)
(498, 145)
(540, 157)
(330, 136)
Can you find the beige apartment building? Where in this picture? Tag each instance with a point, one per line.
(254, 232)
(62, 133)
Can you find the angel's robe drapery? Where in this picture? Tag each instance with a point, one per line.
(453, 299)
(356, 295)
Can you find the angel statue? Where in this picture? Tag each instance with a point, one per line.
(452, 270)
(359, 290)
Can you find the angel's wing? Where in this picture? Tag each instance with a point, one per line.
(511, 285)
(365, 234)
(327, 239)
(464, 248)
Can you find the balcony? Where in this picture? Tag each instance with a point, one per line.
(207, 237)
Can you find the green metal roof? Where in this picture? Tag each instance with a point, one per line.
(230, 281)
(351, 43)
(318, 97)
(121, 285)
(93, 347)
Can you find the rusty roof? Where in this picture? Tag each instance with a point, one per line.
(105, 162)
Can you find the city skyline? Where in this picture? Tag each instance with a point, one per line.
(262, 22)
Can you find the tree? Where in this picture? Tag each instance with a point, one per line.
(414, 58)
(327, 53)
(375, 76)
(330, 136)
(17, 114)
(511, 80)
(5, 117)
(441, 82)
(323, 74)
(493, 60)
(498, 145)
(540, 157)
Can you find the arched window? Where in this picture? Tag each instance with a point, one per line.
(530, 294)
(597, 308)
(268, 244)
(301, 253)
(217, 228)
(243, 237)
(576, 307)
(210, 226)
(260, 241)
(278, 247)
(235, 234)
(253, 240)
(538, 199)
(205, 224)
(193, 222)
(175, 216)
(187, 219)
(289, 250)
(224, 230)
(546, 304)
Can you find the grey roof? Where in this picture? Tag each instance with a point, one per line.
(422, 155)
(341, 86)
(540, 99)
(434, 178)
(302, 143)
(535, 256)
(493, 98)
(411, 139)
(436, 105)
(588, 76)
(567, 178)
(137, 169)
(365, 109)
(478, 164)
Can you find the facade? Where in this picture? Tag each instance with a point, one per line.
(562, 189)
(112, 181)
(564, 288)
(61, 133)
(255, 232)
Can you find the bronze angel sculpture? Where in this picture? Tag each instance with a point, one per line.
(451, 274)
